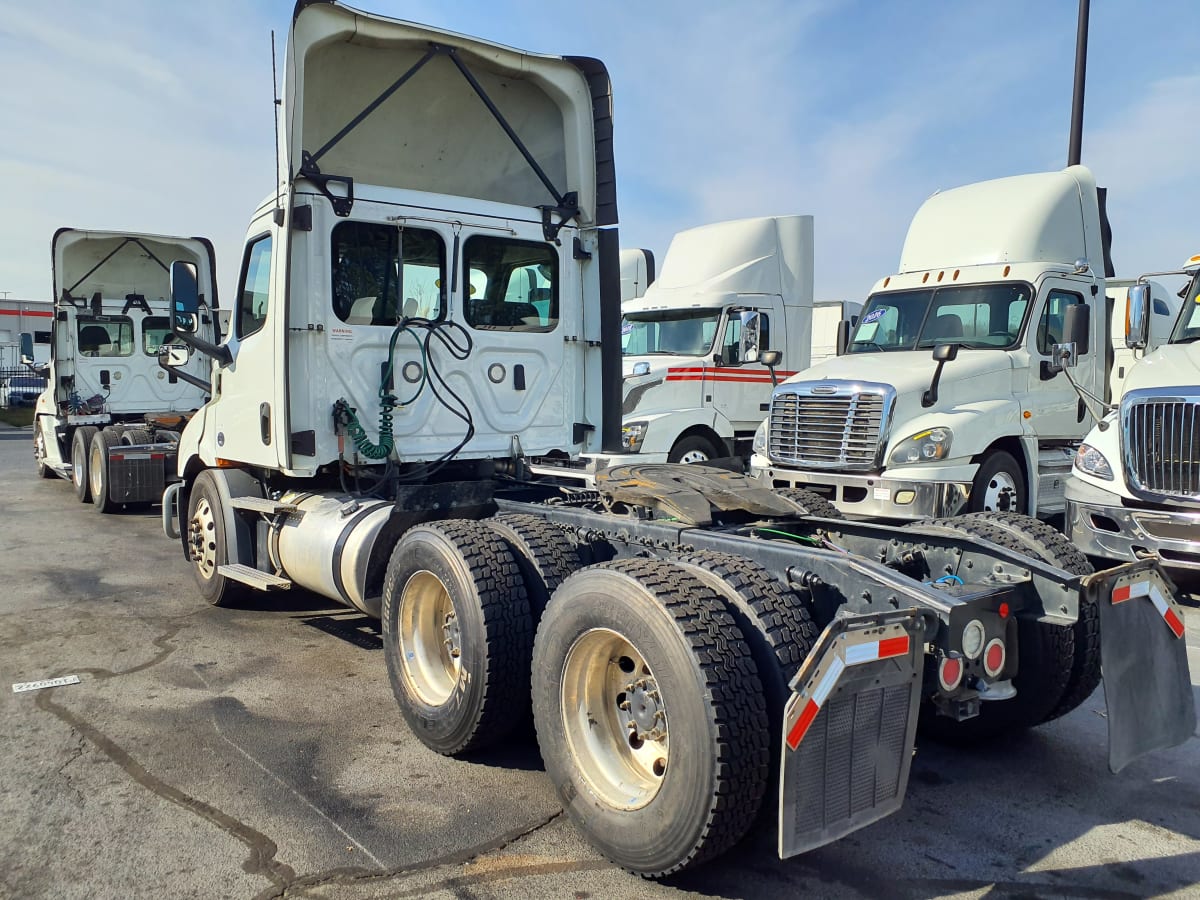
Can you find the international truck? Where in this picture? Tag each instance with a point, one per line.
(110, 415)
(695, 650)
(1135, 490)
(956, 392)
(698, 367)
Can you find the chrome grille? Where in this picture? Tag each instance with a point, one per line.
(841, 426)
(1162, 439)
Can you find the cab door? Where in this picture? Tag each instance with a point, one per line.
(1056, 412)
(739, 385)
(246, 410)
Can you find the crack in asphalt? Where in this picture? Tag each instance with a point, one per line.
(357, 875)
(262, 849)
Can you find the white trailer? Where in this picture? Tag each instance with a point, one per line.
(680, 679)
(1135, 487)
(955, 392)
(110, 416)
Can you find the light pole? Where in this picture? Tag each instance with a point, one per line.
(1081, 38)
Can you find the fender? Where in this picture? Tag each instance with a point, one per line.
(229, 483)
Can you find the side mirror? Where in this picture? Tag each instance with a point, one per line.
(26, 348)
(748, 346)
(1137, 317)
(185, 297)
(771, 358)
(175, 355)
(1077, 321)
(843, 336)
(945, 352)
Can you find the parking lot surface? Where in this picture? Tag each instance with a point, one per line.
(258, 752)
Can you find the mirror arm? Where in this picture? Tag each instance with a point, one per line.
(186, 376)
(219, 352)
(930, 396)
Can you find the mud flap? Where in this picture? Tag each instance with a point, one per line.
(848, 729)
(137, 474)
(1144, 660)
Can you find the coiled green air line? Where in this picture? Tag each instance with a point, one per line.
(387, 402)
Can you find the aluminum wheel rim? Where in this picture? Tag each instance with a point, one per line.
(78, 460)
(95, 468)
(614, 719)
(1002, 488)
(202, 536)
(694, 456)
(430, 639)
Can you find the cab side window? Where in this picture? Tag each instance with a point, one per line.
(255, 287)
(1050, 326)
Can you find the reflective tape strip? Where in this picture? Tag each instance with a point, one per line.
(1149, 589)
(854, 656)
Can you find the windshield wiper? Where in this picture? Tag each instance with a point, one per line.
(874, 344)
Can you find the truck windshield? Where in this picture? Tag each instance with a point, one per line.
(1187, 329)
(674, 332)
(973, 315)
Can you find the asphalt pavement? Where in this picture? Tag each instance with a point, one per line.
(258, 752)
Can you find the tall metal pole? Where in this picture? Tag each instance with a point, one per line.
(1081, 38)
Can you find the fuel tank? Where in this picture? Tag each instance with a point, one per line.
(326, 546)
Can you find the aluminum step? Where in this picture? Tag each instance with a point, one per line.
(262, 505)
(260, 581)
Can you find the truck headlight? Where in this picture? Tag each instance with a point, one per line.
(931, 444)
(1092, 461)
(760, 438)
(631, 436)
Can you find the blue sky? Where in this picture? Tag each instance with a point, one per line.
(152, 116)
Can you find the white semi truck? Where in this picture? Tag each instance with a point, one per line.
(698, 367)
(1136, 486)
(693, 648)
(110, 415)
(955, 392)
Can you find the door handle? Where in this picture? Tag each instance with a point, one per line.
(264, 423)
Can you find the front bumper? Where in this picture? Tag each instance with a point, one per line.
(874, 496)
(1099, 525)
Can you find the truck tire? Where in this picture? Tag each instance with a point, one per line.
(131, 437)
(811, 501)
(545, 553)
(999, 486)
(39, 455)
(98, 470)
(209, 544)
(774, 621)
(1045, 660)
(694, 448)
(1053, 547)
(649, 714)
(81, 445)
(457, 636)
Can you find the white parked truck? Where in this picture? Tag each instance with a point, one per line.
(110, 415)
(1135, 490)
(705, 649)
(955, 391)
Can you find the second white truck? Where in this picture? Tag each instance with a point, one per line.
(956, 391)
(110, 416)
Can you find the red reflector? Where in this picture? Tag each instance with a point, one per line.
(116, 457)
(796, 735)
(950, 673)
(1173, 621)
(158, 456)
(1122, 594)
(896, 646)
(993, 658)
(1004, 610)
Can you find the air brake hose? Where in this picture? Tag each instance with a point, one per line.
(346, 415)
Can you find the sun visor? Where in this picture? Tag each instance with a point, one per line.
(119, 264)
(375, 101)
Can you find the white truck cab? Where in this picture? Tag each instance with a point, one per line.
(1135, 490)
(953, 392)
(110, 413)
(695, 378)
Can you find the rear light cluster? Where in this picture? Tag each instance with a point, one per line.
(992, 655)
